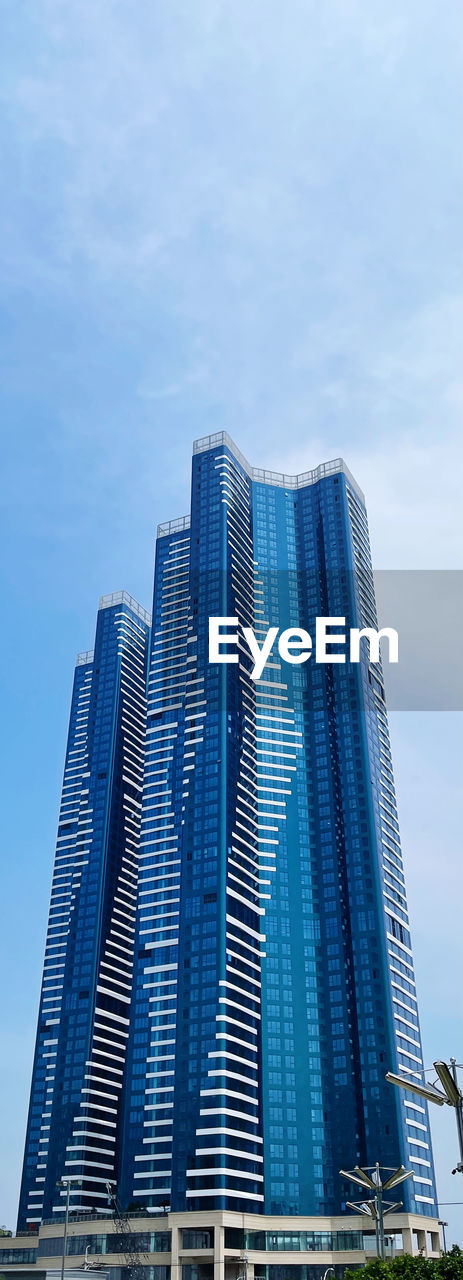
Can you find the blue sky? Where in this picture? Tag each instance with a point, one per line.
(217, 216)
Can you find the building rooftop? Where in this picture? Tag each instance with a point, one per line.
(123, 597)
(278, 478)
(84, 657)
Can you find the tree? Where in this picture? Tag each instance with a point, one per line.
(448, 1267)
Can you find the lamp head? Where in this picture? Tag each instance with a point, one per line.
(399, 1176)
(454, 1096)
(358, 1175)
(427, 1091)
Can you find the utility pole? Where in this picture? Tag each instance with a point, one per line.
(66, 1182)
(65, 1233)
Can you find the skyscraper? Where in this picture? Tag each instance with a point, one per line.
(273, 981)
(74, 1113)
(224, 1046)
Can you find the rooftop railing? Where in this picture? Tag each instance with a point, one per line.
(173, 526)
(87, 655)
(278, 478)
(123, 597)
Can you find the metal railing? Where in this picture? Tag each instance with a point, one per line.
(173, 526)
(87, 655)
(123, 597)
(278, 478)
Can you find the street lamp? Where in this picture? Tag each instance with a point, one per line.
(376, 1207)
(452, 1095)
(66, 1182)
(443, 1225)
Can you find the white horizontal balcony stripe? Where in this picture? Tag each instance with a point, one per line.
(248, 888)
(405, 1022)
(228, 1093)
(100, 1093)
(115, 1057)
(226, 1017)
(253, 862)
(252, 847)
(172, 862)
(159, 1106)
(234, 1005)
(106, 992)
(224, 1169)
(234, 1133)
(391, 904)
(223, 1072)
(393, 873)
(233, 1057)
(260, 911)
(96, 1106)
(406, 1052)
(148, 1191)
(151, 1124)
(409, 977)
(242, 991)
(226, 1191)
(231, 937)
(244, 960)
(401, 945)
(90, 1164)
(161, 942)
(225, 1035)
(410, 1009)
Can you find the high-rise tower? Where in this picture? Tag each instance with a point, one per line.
(224, 1047)
(74, 1113)
(273, 981)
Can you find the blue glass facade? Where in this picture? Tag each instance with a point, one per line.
(73, 1120)
(225, 1046)
(274, 978)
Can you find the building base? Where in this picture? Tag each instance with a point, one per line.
(217, 1245)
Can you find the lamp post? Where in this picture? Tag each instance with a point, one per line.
(66, 1182)
(389, 1240)
(376, 1207)
(452, 1095)
(443, 1225)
